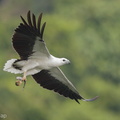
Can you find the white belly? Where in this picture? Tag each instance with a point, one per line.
(33, 66)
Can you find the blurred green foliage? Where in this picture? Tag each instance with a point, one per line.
(84, 31)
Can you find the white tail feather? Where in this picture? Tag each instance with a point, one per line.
(9, 68)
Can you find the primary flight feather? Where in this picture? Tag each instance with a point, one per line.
(36, 60)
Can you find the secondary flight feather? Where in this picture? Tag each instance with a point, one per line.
(36, 60)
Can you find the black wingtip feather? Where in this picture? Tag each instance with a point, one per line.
(29, 18)
(34, 21)
(42, 29)
(39, 22)
(24, 21)
(33, 26)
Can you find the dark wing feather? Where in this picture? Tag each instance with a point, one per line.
(39, 22)
(25, 35)
(34, 21)
(48, 81)
(55, 80)
(29, 19)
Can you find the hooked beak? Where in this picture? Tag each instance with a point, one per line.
(69, 62)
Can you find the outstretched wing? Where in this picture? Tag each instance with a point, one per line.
(28, 38)
(54, 79)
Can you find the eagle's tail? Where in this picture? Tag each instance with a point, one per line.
(9, 67)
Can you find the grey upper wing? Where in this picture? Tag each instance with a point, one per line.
(26, 35)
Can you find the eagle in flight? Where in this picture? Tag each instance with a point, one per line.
(36, 60)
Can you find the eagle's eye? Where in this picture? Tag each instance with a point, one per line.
(64, 60)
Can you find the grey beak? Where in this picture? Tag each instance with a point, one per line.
(69, 62)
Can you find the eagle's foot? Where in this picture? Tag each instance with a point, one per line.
(20, 80)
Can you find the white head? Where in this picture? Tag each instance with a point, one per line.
(56, 62)
(64, 61)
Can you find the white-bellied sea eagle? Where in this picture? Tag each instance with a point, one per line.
(36, 60)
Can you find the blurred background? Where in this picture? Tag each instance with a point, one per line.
(85, 31)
